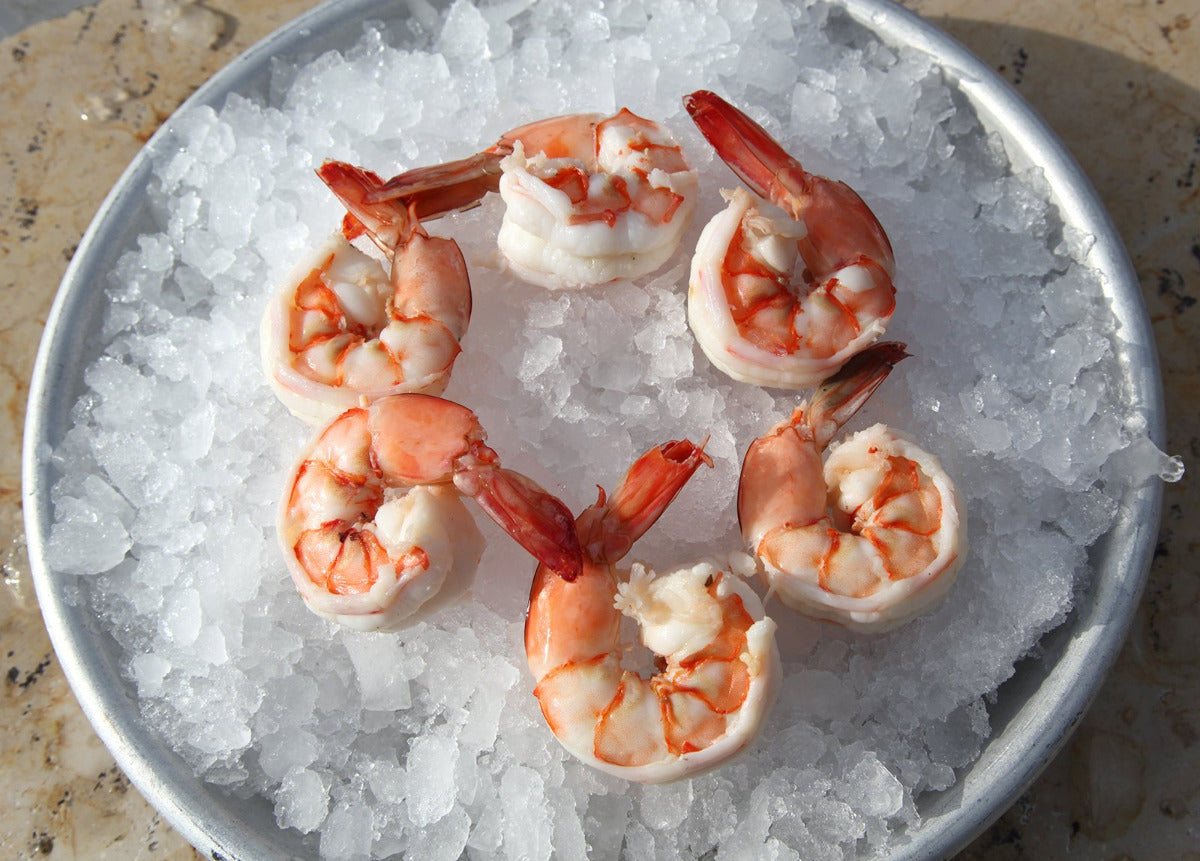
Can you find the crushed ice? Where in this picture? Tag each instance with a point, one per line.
(373, 744)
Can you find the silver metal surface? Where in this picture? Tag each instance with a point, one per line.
(1035, 711)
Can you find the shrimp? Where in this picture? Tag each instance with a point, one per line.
(783, 299)
(340, 329)
(718, 665)
(372, 525)
(871, 540)
(589, 199)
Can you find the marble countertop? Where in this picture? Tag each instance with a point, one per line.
(1117, 80)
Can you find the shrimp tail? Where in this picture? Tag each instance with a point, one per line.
(609, 528)
(388, 223)
(842, 228)
(437, 190)
(535, 519)
(744, 145)
(843, 394)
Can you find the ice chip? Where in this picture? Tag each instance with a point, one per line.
(873, 789)
(527, 825)
(181, 619)
(446, 839)
(665, 807)
(1141, 460)
(149, 670)
(86, 539)
(430, 765)
(347, 831)
(540, 356)
(289, 752)
(380, 670)
(991, 435)
(464, 33)
(302, 801)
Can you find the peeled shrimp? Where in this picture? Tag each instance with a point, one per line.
(718, 665)
(870, 540)
(589, 198)
(341, 329)
(784, 298)
(372, 525)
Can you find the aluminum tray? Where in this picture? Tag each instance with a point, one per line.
(1034, 712)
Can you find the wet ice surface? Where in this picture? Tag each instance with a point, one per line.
(375, 743)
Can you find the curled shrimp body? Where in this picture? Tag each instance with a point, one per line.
(589, 198)
(372, 524)
(717, 663)
(341, 329)
(783, 297)
(869, 539)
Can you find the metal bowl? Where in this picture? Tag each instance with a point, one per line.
(1034, 712)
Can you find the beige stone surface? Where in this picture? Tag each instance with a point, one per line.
(1116, 79)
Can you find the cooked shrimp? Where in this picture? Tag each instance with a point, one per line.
(340, 329)
(718, 666)
(371, 522)
(784, 298)
(589, 199)
(896, 536)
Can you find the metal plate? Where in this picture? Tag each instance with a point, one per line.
(1034, 712)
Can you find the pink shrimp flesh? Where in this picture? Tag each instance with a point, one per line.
(869, 538)
(784, 300)
(589, 198)
(717, 665)
(341, 532)
(341, 330)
